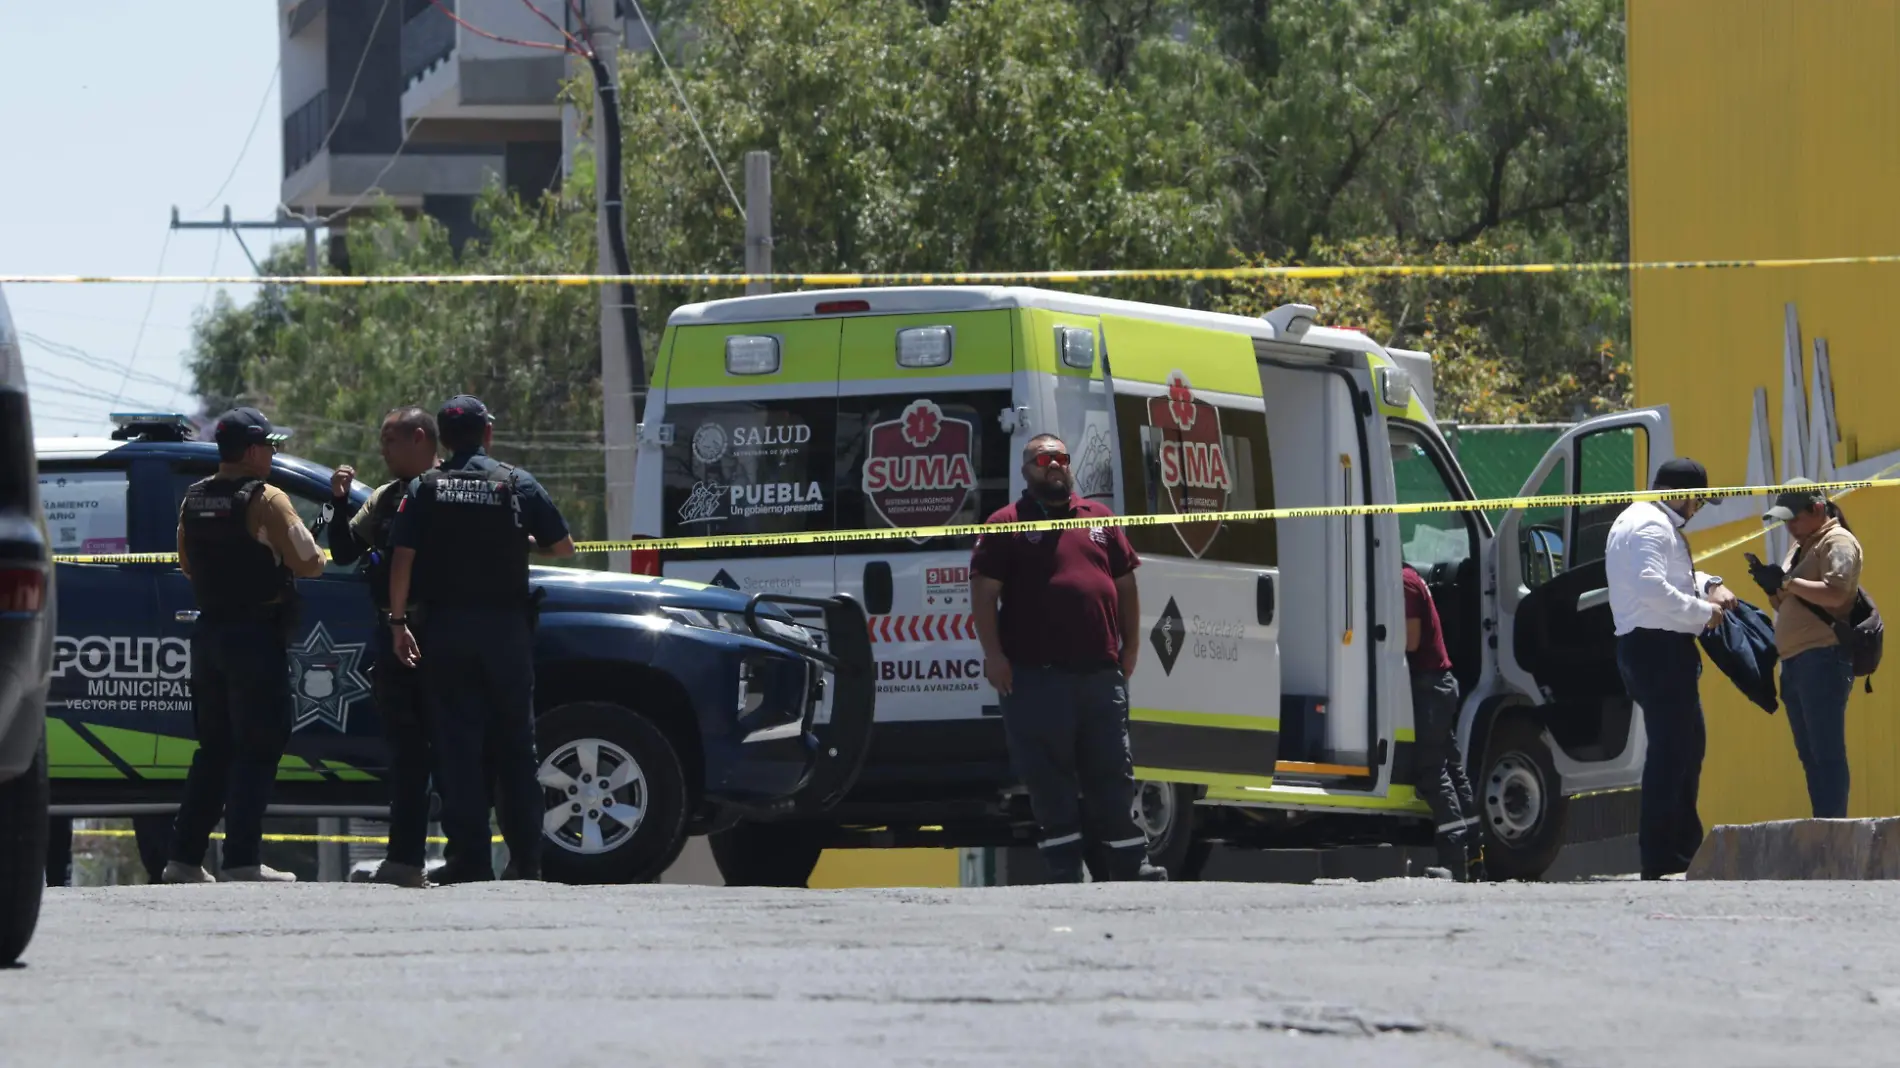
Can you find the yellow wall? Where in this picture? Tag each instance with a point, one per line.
(1762, 129)
(844, 868)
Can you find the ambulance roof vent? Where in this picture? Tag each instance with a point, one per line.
(1292, 321)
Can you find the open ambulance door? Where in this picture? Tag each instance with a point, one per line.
(1192, 436)
(1555, 639)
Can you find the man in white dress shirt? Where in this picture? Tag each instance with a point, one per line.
(1661, 604)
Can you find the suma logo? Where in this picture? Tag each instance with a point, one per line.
(919, 470)
(1190, 460)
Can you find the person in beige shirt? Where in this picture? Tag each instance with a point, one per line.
(1817, 581)
(243, 547)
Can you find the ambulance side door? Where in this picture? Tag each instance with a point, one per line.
(925, 438)
(1192, 437)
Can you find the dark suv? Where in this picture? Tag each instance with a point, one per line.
(26, 648)
(664, 708)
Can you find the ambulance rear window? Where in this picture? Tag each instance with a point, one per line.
(937, 459)
(765, 467)
(1183, 454)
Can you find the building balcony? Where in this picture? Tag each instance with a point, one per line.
(329, 180)
(450, 73)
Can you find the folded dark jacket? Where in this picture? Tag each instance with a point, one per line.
(1743, 647)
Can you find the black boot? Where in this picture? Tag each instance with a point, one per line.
(1454, 858)
(1065, 860)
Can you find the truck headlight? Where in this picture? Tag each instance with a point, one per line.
(734, 623)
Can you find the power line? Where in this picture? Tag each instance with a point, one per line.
(252, 132)
(374, 183)
(83, 392)
(479, 32)
(660, 51)
(151, 297)
(97, 363)
(576, 47)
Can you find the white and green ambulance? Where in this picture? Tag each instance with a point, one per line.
(1271, 706)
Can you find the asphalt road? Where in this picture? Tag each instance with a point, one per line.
(1394, 973)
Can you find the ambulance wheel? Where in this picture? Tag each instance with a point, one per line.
(613, 795)
(766, 854)
(1520, 801)
(1165, 813)
(23, 830)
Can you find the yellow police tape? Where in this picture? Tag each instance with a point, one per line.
(927, 278)
(1248, 515)
(328, 839)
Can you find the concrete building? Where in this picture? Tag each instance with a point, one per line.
(1764, 129)
(394, 97)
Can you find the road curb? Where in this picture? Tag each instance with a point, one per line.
(1801, 849)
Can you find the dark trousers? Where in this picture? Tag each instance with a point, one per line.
(1814, 689)
(478, 684)
(1442, 779)
(1660, 669)
(397, 690)
(1068, 742)
(240, 686)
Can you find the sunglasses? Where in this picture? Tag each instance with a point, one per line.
(1050, 459)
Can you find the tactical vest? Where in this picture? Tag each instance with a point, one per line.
(381, 517)
(233, 575)
(474, 545)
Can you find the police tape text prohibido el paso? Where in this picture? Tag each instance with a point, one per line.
(1250, 515)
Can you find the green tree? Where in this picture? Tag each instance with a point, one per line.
(1020, 134)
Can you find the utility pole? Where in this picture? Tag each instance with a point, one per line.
(617, 387)
(309, 224)
(758, 219)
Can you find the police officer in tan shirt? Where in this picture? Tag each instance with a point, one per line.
(243, 547)
(1818, 581)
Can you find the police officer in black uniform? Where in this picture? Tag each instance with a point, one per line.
(242, 544)
(409, 449)
(462, 536)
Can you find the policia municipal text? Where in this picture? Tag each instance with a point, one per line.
(241, 545)
(461, 541)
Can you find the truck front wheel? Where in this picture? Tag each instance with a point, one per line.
(1520, 801)
(614, 795)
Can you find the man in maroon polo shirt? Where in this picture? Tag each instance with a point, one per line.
(1059, 653)
(1442, 780)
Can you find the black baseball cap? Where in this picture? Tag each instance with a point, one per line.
(1683, 473)
(241, 428)
(1797, 495)
(463, 412)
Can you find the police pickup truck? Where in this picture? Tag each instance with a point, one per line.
(665, 708)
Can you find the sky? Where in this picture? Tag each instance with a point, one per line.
(109, 121)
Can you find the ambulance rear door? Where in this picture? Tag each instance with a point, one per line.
(927, 435)
(1191, 428)
(747, 444)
